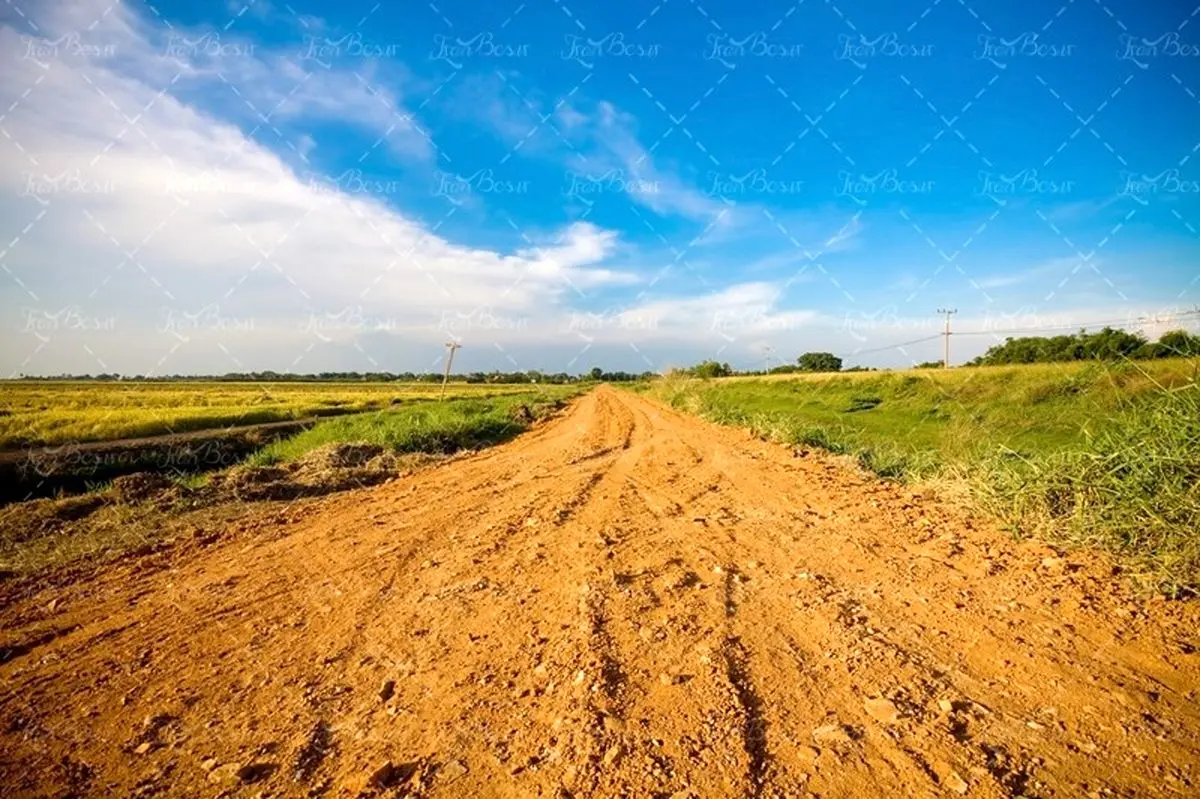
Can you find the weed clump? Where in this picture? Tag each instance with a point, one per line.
(863, 403)
(1132, 489)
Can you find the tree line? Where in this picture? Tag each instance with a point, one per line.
(1107, 344)
(493, 377)
(808, 362)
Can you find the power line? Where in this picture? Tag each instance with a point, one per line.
(1125, 321)
(945, 333)
(946, 348)
(896, 346)
(451, 347)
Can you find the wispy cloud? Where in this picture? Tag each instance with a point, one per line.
(613, 145)
(1082, 210)
(1042, 272)
(845, 237)
(594, 143)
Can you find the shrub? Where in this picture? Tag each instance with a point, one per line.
(820, 362)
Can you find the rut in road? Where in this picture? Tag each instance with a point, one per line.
(622, 602)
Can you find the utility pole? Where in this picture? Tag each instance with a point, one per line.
(946, 336)
(451, 346)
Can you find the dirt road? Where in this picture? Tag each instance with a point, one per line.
(622, 602)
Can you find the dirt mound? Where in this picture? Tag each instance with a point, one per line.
(340, 456)
(338, 467)
(130, 489)
(625, 602)
(25, 521)
(252, 483)
(327, 469)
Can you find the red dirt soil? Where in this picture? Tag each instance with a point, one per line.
(623, 602)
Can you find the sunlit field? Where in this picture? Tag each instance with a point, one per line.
(36, 413)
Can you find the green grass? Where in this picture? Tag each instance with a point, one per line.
(1133, 487)
(434, 427)
(44, 413)
(1104, 455)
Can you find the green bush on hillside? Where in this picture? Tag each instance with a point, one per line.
(1108, 344)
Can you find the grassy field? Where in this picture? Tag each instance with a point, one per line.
(34, 413)
(1093, 454)
(433, 428)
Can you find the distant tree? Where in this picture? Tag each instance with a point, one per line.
(1177, 343)
(819, 362)
(1106, 345)
(709, 369)
(929, 365)
(1151, 350)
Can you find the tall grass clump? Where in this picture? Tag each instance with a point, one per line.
(1133, 488)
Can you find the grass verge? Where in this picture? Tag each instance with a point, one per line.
(433, 427)
(1093, 455)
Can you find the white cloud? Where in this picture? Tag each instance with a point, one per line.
(602, 152)
(615, 146)
(262, 88)
(131, 204)
(718, 318)
(595, 143)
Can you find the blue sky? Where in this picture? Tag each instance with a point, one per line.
(321, 186)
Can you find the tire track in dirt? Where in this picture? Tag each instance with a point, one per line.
(622, 602)
(750, 705)
(840, 732)
(722, 698)
(735, 697)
